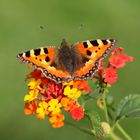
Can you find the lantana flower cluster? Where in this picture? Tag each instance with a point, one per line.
(46, 98)
(108, 71)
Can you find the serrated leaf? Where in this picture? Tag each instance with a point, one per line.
(128, 107)
(96, 124)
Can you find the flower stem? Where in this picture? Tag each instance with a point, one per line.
(85, 130)
(113, 136)
(123, 132)
(105, 107)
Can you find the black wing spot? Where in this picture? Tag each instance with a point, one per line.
(37, 52)
(53, 64)
(45, 50)
(94, 43)
(47, 59)
(20, 55)
(89, 53)
(84, 59)
(112, 40)
(104, 42)
(85, 45)
(96, 51)
(27, 54)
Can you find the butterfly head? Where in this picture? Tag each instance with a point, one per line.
(64, 47)
(64, 43)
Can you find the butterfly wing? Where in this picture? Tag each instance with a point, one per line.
(92, 51)
(45, 60)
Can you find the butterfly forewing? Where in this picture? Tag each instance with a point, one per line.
(43, 58)
(94, 51)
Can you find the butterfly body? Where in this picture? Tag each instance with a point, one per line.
(69, 59)
(66, 63)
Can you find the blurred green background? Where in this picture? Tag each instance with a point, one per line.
(75, 20)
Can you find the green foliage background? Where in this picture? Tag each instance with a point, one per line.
(75, 20)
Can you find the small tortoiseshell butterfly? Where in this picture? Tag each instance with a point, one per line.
(66, 63)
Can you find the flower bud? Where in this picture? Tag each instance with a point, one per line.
(106, 128)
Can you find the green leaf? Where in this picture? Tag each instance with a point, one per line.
(96, 124)
(128, 107)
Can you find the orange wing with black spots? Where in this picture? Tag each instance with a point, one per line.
(44, 59)
(93, 51)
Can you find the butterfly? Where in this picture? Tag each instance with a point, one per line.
(65, 63)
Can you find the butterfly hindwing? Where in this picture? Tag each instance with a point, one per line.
(44, 59)
(92, 51)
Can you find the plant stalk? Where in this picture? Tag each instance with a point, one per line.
(123, 131)
(113, 136)
(105, 107)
